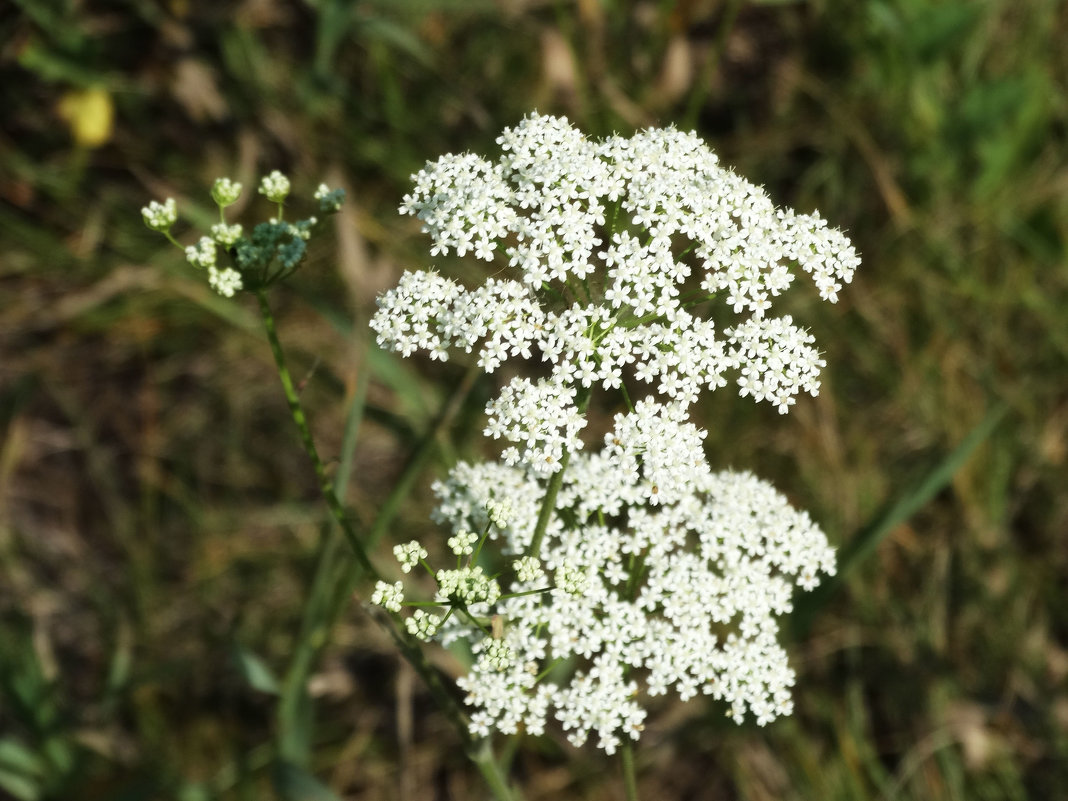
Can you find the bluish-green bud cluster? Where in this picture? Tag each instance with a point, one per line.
(270, 253)
(274, 250)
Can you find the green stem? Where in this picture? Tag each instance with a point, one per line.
(315, 633)
(715, 53)
(478, 750)
(294, 711)
(495, 778)
(548, 504)
(326, 487)
(630, 779)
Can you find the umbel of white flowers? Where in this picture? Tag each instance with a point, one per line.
(614, 246)
(269, 254)
(637, 571)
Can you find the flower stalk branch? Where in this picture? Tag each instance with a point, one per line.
(326, 486)
(641, 569)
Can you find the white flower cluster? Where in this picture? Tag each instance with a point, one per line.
(275, 187)
(462, 544)
(226, 281)
(226, 235)
(678, 593)
(719, 553)
(637, 571)
(593, 309)
(409, 554)
(257, 257)
(225, 192)
(160, 216)
(202, 254)
(542, 417)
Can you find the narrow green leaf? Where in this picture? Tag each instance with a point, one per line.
(293, 783)
(20, 787)
(893, 515)
(353, 418)
(255, 671)
(15, 757)
(399, 37)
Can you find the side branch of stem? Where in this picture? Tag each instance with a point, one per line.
(326, 486)
(548, 504)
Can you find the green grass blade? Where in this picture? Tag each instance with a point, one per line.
(254, 670)
(293, 783)
(868, 538)
(353, 418)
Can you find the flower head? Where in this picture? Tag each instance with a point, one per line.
(719, 565)
(637, 567)
(225, 192)
(610, 255)
(226, 281)
(270, 253)
(226, 235)
(330, 200)
(275, 187)
(202, 254)
(717, 554)
(160, 216)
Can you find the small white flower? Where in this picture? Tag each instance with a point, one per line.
(226, 281)
(467, 585)
(160, 216)
(202, 254)
(422, 624)
(571, 578)
(409, 555)
(225, 234)
(499, 655)
(388, 596)
(462, 543)
(225, 192)
(528, 569)
(500, 512)
(275, 187)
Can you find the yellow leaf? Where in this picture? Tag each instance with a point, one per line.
(90, 114)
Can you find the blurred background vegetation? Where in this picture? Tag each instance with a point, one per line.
(160, 526)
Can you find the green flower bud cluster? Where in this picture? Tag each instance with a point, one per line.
(272, 252)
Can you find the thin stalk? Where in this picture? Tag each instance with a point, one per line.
(294, 710)
(479, 751)
(293, 713)
(548, 504)
(630, 779)
(315, 635)
(326, 486)
(715, 54)
(494, 776)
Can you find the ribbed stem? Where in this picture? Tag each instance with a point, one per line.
(548, 504)
(326, 486)
(630, 779)
(314, 633)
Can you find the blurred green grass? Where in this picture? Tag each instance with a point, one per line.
(158, 523)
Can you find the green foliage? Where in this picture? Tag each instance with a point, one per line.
(156, 508)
